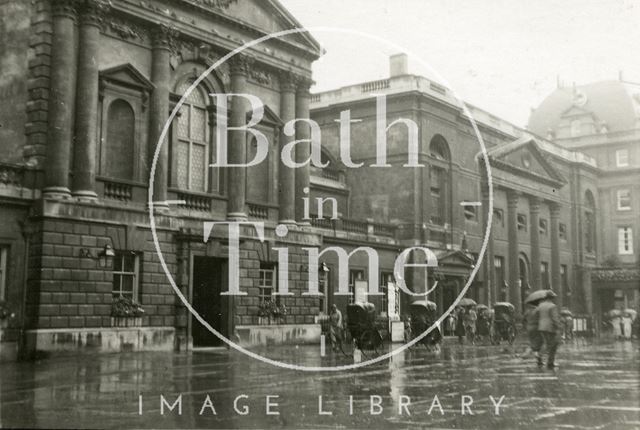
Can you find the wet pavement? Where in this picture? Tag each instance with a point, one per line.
(597, 386)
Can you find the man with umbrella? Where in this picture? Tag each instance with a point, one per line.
(549, 326)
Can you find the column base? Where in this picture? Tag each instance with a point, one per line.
(57, 193)
(288, 222)
(304, 224)
(85, 195)
(159, 207)
(237, 216)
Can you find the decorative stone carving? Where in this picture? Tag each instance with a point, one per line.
(93, 11)
(240, 63)
(64, 8)
(288, 80)
(125, 30)
(165, 37)
(217, 4)
(260, 76)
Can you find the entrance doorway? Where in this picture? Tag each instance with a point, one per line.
(209, 277)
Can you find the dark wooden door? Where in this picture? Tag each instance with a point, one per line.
(208, 278)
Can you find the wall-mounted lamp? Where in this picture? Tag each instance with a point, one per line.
(104, 257)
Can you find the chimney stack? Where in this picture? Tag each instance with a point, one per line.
(398, 65)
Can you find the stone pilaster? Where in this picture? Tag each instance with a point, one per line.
(84, 160)
(303, 150)
(556, 283)
(489, 278)
(61, 98)
(239, 66)
(512, 231)
(287, 175)
(159, 111)
(534, 234)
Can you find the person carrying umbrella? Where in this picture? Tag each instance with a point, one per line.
(531, 320)
(626, 324)
(615, 316)
(549, 326)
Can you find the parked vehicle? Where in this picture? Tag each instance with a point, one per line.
(503, 325)
(423, 315)
(362, 330)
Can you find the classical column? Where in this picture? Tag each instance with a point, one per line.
(84, 159)
(556, 283)
(287, 175)
(512, 231)
(239, 65)
(159, 111)
(61, 98)
(534, 215)
(303, 150)
(489, 279)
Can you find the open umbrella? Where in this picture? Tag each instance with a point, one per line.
(614, 313)
(482, 307)
(538, 295)
(467, 302)
(632, 313)
(566, 312)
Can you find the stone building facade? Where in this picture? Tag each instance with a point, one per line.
(546, 223)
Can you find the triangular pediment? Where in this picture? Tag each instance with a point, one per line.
(128, 76)
(454, 257)
(269, 117)
(268, 16)
(524, 157)
(575, 112)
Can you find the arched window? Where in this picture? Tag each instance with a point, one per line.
(191, 151)
(589, 222)
(439, 180)
(120, 140)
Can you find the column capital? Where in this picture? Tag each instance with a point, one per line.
(288, 81)
(240, 64)
(92, 12)
(66, 8)
(163, 37)
(512, 197)
(554, 209)
(304, 84)
(534, 204)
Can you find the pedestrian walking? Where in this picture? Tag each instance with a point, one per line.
(335, 327)
(459, 324)
(626, 325)
(531, 321)
(470, 318)
(549, 326)
(617, 327)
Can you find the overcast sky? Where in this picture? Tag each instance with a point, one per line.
(500, 55)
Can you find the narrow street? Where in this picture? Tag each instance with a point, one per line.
(595, 387)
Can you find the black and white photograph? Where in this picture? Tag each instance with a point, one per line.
(320, 214)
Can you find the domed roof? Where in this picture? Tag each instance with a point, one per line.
(612, 104)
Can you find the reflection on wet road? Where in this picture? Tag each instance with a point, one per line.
(596, 387)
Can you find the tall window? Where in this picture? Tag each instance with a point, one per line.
(323, 287)
(589, 222)
(521, 220)
(622, 157)
(625, 241)
(385, 278)
(544, 274)
(191, 151)
(498, 267)
(624, 199)
(354, 275)
(120, 140)
(564, 279)
(439, 172)
(4, 253)
(126, 274)
(562, 231)
(267, 283)
(543, 226)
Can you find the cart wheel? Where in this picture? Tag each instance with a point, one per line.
(347, 345)
(370, 343)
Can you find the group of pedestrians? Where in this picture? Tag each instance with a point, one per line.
(622, 325)
(544, 329)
